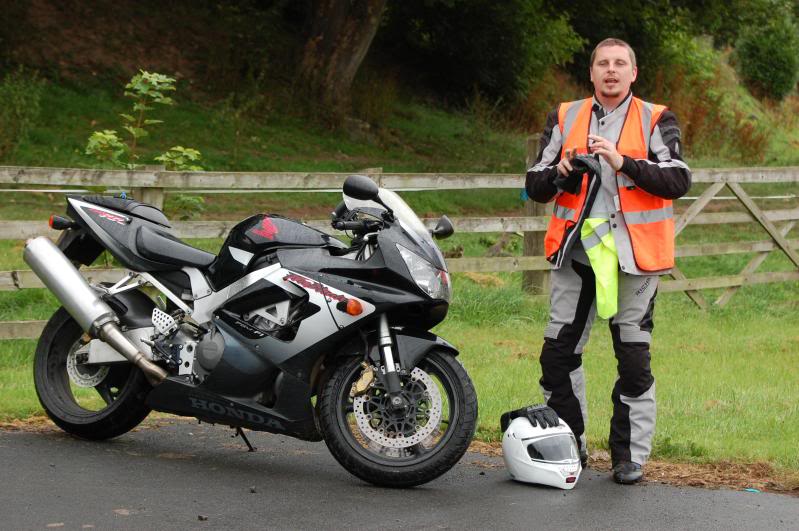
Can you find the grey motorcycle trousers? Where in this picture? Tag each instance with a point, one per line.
(572, 313)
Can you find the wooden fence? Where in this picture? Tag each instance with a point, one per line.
(150, 185)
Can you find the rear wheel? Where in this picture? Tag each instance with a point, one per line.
(407, 447)
(89, 401)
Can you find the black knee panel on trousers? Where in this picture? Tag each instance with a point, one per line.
(635, 373)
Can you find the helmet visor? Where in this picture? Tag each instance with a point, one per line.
(553, 448)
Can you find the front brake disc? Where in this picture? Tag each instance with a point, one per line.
(379, 425)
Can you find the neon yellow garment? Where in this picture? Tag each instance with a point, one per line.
(601, 250)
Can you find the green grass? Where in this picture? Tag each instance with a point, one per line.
(417, 137)
(725, 390)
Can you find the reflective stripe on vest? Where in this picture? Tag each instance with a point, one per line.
(561, 212)
(649, 218)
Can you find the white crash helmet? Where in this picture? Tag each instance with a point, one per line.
(547, 456)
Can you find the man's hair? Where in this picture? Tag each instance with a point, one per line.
(613, 42)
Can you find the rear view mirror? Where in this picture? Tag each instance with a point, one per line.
(444, 228)
(361, 187)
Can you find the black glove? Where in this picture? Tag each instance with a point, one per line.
(538, 415)
(580, 164)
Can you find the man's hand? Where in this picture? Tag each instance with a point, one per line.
(606, 149)
(565, 166)
(566, 180)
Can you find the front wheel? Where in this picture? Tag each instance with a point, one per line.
(400, 447)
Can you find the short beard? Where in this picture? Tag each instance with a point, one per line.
(607, 94)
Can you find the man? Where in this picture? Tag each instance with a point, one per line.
(609, 239)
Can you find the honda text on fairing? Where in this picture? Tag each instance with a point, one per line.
(287, 330)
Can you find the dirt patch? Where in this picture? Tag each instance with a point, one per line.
(43, 424)
(518, 349)
(721, 475)
(484, 279)
(492, 449)
(37, 424)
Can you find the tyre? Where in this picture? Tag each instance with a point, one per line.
(92, 402)
(400, 448)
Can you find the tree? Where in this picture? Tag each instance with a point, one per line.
(341, 33)
(460, 47)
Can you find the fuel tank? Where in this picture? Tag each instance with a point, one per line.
(251, 242)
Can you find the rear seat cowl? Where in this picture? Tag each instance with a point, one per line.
(132, 207)
(167, 249)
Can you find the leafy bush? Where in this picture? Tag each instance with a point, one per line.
(178, 158)
(20, 95)
(457, 46)
(768, 56)
(719, 119)
(187, 206)
(106, 146)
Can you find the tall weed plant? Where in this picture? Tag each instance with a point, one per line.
(375, 93)
(251, 103)
(546, 91)
(20, 97)
(147, 90)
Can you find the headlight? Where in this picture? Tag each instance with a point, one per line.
(432, 280)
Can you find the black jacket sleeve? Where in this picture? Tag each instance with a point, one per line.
(664, 173)
(541, 176)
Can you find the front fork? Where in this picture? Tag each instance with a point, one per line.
(390, 369)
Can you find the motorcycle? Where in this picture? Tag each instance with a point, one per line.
(287, 330)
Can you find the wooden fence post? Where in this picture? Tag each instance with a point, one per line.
(534, 282)
(151, 196)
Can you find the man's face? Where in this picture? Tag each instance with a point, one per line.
(612, 72)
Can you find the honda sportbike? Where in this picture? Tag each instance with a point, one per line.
(287, 330)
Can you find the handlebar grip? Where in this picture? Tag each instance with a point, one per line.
(349, 225)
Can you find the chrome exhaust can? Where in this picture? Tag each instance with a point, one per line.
(82, 302)
(67, 284)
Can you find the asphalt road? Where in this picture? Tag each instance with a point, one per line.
(187, 476)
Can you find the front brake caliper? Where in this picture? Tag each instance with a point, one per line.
(364, 381)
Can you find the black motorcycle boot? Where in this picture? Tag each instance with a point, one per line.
(583, 457)
(627, 473)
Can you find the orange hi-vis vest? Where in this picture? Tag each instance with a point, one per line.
(649, 218)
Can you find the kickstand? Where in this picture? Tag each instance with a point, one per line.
(240, 433)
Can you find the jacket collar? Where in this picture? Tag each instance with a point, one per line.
(621, 108)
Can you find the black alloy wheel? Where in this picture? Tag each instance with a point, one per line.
(405, 447)
(92, 402)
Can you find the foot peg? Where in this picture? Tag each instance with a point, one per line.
(164, 323)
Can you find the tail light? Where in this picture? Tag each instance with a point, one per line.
(61, 223)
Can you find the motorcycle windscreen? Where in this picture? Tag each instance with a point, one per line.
(408, 219)
(553, 448)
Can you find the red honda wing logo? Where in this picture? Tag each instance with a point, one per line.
(266, 230)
